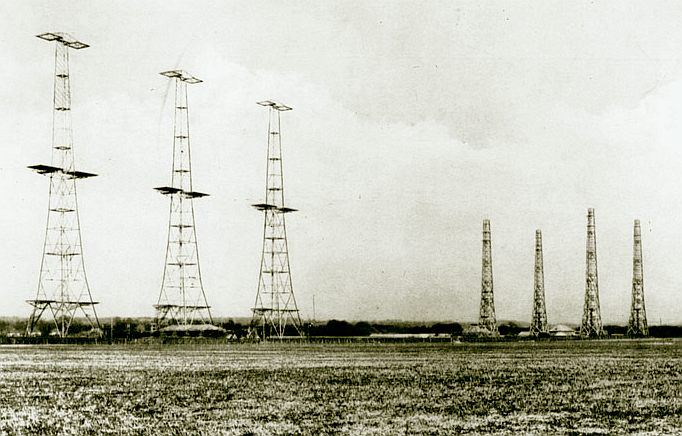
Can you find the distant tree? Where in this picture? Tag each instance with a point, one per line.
(336, 328)
(228, 325)
(382, 328)
(78, 327)
(45, 327)
(615, 329)
(665, 331)
(121, 328)
(19, 325)
(240, 330)
(453, 328)
(362, 328)
(290, 330)
(509, 329)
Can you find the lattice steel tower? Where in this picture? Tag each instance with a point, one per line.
(275, 313)
(63, 289)
(637, 325)
(486, 320)
(538, 323)
(182, 300)
(591, 325)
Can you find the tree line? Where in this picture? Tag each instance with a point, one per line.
(134, 328)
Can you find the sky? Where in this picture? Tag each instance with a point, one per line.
(413, 121)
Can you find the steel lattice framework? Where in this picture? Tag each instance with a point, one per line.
(275, 313)
(486, 320)
(637, 325)
(538, 323)
(63, 289)
(182, 300)
(591, 325)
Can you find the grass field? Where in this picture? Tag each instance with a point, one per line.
(505, 388)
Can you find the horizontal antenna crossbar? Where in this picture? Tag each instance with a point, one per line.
(277, 106)
(48, 169)
(181, 75)
(63, 38)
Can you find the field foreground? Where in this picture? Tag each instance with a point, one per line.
(597, 387)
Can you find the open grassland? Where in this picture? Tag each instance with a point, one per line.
(506, 388)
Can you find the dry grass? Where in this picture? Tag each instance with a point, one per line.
(512, 388)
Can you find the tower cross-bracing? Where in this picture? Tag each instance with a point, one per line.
(637, 324)
(182, 300)
(486, 320)
(591, 325)
(275, 313)
(63, 289)
(538, 323)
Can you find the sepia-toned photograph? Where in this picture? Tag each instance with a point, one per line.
(362, 217)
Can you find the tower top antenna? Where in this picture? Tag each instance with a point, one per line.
(182, 75)
(275, 105)
(63, 38)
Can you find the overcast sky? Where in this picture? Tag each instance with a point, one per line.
(412, 122)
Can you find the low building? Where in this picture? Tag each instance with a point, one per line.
(562, 331)
(193, 330)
